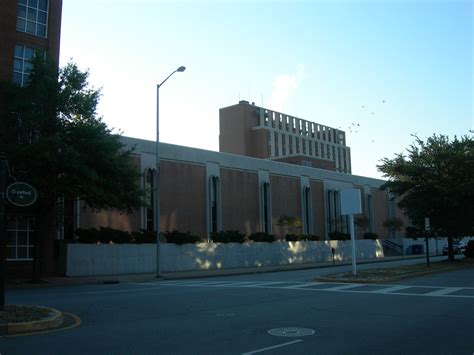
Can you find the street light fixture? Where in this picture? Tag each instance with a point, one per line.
(156, 197)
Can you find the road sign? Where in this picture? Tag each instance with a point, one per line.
(350, 201)
(427, 224)
(21, 194)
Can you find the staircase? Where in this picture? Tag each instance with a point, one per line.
(391, 248)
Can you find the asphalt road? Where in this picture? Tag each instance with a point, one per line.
(234, 314)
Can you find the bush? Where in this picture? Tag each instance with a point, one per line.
(144, 236)
(88, 236)
(469, 253)
(103, 235)
(262, 237)
(369, 235)
(229, 236)
(179, 238)
(339, 236)
(300, 237)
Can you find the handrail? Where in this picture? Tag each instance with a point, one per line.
(394, 246)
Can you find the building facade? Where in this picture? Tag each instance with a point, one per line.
(204, 192)
(246, 129)
(27, 27)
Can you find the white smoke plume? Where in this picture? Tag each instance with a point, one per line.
(284, 86)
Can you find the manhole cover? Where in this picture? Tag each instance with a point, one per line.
(291, 332)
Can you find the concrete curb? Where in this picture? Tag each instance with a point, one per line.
(53, 321)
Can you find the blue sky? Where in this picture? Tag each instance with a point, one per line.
(381, 70)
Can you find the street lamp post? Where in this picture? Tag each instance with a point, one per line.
(156, 196)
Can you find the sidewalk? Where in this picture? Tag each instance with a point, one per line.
(150, 277)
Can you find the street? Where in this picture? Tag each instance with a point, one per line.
(272, 313)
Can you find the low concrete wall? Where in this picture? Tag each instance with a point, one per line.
(110, 259)
(435, 244)
(105, 259)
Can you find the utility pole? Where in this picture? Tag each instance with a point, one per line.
(427, 231)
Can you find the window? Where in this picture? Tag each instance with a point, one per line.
(336, 221)
(307, 221)
(149, 184)
(276, 144)
(265, 208)
(391, 205)
(20, 237)
(369, 212)
(22, 64)
(32, 17)
(214, 198)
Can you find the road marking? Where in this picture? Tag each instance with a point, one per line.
(122, 291)
(397, 290)
(443, 291)
(302, 285)
(391, 289)
(272, 347)
(340, 288)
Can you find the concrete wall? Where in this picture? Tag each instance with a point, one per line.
(183, 197)
(239, 201)
(286, 201)
(106, 259)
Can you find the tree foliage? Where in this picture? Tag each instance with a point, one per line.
(55, 140)
(435, 180)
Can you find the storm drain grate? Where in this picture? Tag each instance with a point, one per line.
(291, 332)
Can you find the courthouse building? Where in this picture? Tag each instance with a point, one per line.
(269, 165)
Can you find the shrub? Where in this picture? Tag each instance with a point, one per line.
(300, 237)
(179, 238)
(229, 236)
(144, 236)
(103, 235)
(369, 235)
(88, 236)
(262, 237)
(339, 236)
(469, 253)
(115, 235)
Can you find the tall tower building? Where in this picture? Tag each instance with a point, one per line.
(27, 27)
(249, 130)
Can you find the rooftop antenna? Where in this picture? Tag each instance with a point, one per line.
(262, 99)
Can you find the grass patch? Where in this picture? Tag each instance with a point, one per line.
(19, 314)
(395, 273)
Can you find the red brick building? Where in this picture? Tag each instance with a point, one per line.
(27, 27)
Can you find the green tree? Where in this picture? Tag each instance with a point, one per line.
(435, 180)
(288, 224)
(54, 140)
